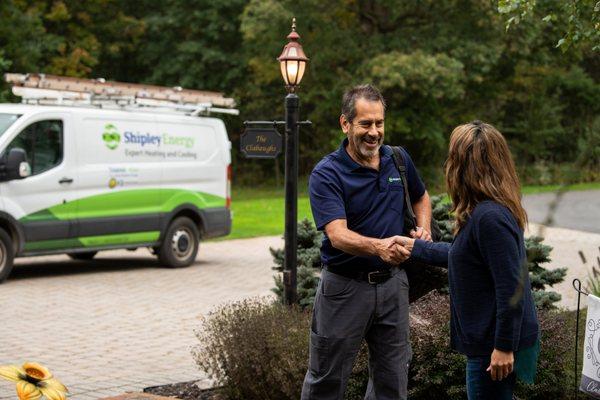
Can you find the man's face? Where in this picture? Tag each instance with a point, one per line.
(365, 132)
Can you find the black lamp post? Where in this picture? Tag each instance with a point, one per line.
(293, 65)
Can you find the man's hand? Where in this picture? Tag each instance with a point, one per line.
(391, 252)
(421, 233)
(501, 364)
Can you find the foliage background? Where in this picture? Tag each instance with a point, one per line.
(438, 62)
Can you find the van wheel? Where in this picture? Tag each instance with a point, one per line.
(7, 255)
(180, 244)
(86, 255)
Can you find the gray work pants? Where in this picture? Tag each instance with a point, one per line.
(345, 312)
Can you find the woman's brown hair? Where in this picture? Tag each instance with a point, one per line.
(480, 167)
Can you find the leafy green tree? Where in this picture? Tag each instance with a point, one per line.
(415, 85)
(589, 146)
(194, 44)
(4, 65)
(64, 37)
(583, 18)
(23, 38)
(439, 63)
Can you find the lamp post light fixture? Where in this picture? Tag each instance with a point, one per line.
(292, 60)
(293, 63)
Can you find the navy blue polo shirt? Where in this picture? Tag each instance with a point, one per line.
(371, 201)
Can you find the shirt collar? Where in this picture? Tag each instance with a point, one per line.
(343, 156)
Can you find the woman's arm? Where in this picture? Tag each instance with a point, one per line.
(427, 252)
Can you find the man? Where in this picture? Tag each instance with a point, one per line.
(356, 196)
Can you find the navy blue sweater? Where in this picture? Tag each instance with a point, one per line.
(491, 304)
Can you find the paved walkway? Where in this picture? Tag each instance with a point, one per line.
(579, 210)
(577, 214)
(120, 323)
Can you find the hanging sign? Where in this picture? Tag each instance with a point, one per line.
(261, 142)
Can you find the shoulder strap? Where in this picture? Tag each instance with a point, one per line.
(401, 166)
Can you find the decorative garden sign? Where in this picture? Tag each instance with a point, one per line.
(590, 377)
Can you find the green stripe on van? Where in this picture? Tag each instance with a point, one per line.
(52, 244)
(94, 241)
(43, 215)
(126, 202)
(121, 238)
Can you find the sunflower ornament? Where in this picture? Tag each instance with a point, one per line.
(34, 381)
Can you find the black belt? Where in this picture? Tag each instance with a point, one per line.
(373, 277)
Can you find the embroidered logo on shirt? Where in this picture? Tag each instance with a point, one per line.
(391, 180)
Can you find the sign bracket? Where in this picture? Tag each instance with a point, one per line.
(275, 123)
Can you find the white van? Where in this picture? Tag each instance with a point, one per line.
(78, 180)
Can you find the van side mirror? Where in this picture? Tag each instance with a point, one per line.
(14, 165)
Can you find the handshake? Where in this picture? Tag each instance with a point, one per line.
(397, 249)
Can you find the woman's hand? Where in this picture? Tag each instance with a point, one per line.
(501, 364)
(405, 242)
(390, 251)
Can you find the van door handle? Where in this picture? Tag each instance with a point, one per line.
(66, 180)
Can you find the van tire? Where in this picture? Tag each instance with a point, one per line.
(180, 244)
(86, 255)
(7, 255)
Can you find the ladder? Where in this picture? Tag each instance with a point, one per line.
(56, 90)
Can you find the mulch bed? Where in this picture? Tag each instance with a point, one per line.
(184, 391)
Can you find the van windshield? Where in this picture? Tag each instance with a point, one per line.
(6, 120)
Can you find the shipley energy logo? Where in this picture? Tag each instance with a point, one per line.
(113, 139)
(111, 136)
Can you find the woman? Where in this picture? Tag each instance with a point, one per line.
(493, 317)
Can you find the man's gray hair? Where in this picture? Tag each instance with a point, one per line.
(367, 92)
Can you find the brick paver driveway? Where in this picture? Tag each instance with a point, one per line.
(121, 323)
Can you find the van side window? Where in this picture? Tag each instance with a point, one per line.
(43, 143)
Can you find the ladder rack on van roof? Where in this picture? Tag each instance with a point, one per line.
(65, 91)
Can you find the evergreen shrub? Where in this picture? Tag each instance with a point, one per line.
(308, 267)
(538, 253)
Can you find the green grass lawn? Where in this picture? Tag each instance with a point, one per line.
(263, 216)
(553, 188)
(260, 211)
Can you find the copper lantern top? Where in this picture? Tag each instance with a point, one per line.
(292, 60)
